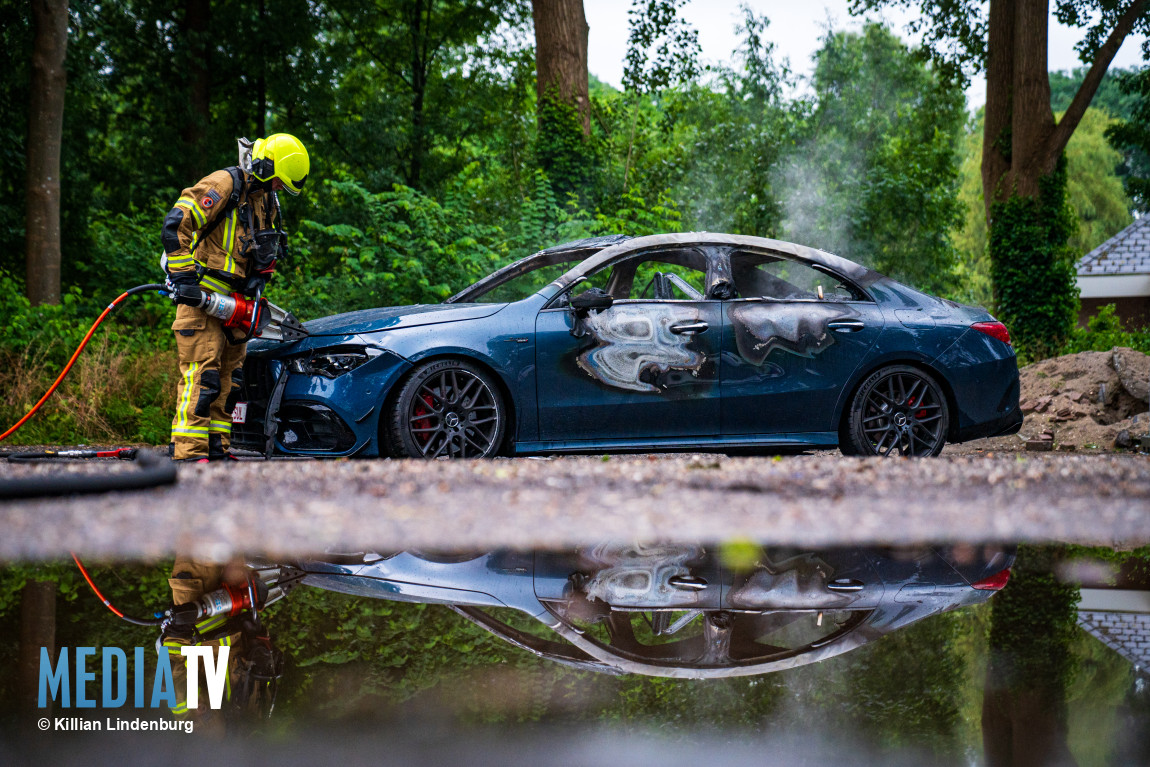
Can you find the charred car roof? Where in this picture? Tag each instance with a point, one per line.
(599, 251)
(728, 242)
(568, 251)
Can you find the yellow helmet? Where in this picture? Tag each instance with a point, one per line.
(281, 156)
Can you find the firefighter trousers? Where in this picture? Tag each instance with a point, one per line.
(211, 374)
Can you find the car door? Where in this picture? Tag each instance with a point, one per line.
(791, 339)
(645, 368)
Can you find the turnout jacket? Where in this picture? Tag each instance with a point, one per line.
(222, 254)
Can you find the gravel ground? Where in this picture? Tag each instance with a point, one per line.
(285, 507)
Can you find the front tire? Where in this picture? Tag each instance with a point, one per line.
(447, 408)
(898, 409)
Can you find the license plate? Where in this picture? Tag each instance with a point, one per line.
(240, 414)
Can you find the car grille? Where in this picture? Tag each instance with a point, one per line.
(257, 388)
(311, 426)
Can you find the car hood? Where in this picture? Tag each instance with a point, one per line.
(391, 317)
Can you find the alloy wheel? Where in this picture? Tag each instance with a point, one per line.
(903, 411)
(454, 414)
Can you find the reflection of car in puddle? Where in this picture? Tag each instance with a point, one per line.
(679, 610)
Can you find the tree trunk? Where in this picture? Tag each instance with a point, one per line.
(1023, 174)
(1018, 118)
(561, 54)
(37, 629)
(45, 131)
(197, 15)
(1032, 119)
(1021, 143)
(262, 85)
(1032, 624)
(1024, 729)
(419, 29)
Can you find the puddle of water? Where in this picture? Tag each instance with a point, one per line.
(952, 654)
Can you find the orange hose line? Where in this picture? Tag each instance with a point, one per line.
(84, 572)
(60, 378)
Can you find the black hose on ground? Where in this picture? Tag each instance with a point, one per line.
(154, 472)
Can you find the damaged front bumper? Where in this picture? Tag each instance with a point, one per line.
(292, 413)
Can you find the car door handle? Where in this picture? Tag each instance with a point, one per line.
(846, 326)
(688, 328)
(688, 582)
(845, 585)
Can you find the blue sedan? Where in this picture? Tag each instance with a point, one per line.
(668, 342)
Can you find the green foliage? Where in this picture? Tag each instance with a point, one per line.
(907, 689)
(662, 49)
(634, 216)
(953, 33)
(1104, 331)
(1102, 680)
(115, 392)
(1033, 268)
(972, 273)
(81, 619)
(539, 218)
(1033, 623)
(1094, 191)
(735, 133)
(389, 248)
(125, 250)
(876, 180)
(1131, 134)
(1094, 188)
(564, 154)
(1110, 97)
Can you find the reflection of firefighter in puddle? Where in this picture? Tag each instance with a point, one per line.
(218, 606)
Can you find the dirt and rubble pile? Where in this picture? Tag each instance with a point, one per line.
(1084, 400)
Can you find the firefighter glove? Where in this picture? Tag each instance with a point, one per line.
(255, 283)
(183, 292)
(184, 615)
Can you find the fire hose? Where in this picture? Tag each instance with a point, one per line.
(75, 355)
(253, 316)
(261, 664)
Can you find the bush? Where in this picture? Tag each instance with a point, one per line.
(121, 388)
(126, 251)
(398, 247)
(403, 247)
(1104, 331)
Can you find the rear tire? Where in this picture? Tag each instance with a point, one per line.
(447, 408)
(900, 410)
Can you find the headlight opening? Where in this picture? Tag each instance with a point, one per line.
(329, 364)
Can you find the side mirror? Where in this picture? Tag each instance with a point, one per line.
(591, 299)
(583, 303)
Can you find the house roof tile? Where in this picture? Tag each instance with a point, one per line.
(1127, 252)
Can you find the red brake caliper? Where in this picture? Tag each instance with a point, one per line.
(920, 413)
(423, 423)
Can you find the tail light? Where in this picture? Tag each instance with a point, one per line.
(994, 582)
(994, 330)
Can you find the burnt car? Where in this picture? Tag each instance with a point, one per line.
(676, 610)
(668, 342)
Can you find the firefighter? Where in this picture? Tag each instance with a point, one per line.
(223, 237)
(254, 664)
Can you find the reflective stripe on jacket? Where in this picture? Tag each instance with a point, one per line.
(199, 206)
